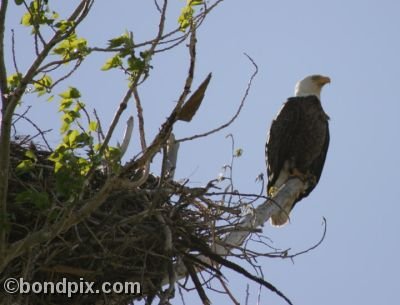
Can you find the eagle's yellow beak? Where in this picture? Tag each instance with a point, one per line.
(322, 80)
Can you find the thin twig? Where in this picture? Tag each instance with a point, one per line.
(99, 128)
(166, 128)
(40, 132)
(228, 292)
(139, 110)
(3, 70)
(14, 56)
(315, 246)
(237, 112)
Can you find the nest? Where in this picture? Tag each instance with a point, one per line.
(135, 235)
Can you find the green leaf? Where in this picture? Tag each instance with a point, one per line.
(65, 127)
(84, 166)
(113, 153)
(185, 17)
(72, 136)
(19, 2)
(97, 147)
(55, 156)
(65, 104)
(57, 166)
(72, 92)
(72, 47)
(31, 155)
(135, 64)
(64, 25)
(43, 85)
(123, 40)
(14, 80)
(26, 19)
(25, 166)
(196, 2)
(112, 62)
(93, 126)
(38, 14)
(79, 106)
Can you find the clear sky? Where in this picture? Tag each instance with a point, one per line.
(356, 43)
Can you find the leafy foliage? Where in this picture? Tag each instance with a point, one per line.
(69, 163)
(125, 58)
(186, 17)
(38, 14)
(72, 47)
(43, 85)
(13, 81)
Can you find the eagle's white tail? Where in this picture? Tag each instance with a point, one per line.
(281, 217)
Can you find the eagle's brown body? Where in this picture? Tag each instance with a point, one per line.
(297, 146)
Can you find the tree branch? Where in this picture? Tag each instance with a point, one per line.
(166, 128)
(288, 193)
(3, 71)
(3, 156)
(139, 110)
(127, 136)
(11, 100)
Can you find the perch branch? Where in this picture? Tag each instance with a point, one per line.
(288, 193)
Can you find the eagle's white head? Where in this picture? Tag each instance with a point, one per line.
(311, 85)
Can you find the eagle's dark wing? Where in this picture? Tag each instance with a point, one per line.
(300, 136)
(318, 164)
(278, 146)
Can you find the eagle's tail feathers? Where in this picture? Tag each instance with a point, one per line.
(281, 217)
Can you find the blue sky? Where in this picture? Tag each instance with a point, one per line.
(357, 44)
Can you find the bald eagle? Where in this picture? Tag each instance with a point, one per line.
(298, 142)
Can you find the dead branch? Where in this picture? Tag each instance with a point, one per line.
(237, 112)
(127, 136)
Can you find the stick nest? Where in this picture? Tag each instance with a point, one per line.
(135, 235)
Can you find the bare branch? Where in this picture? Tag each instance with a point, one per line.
(171, 156)
(229, 293)
(40, 132)
(289, 192)
(3, 71)
(168, 248)
(127, 136)
(4, 138)
(128, 94)
(139, 110)
(13, 51)
(313, 247)
(166, 128)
